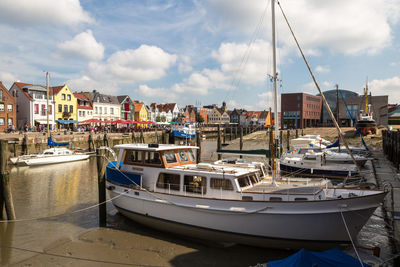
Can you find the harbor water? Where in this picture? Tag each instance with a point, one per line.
(41, 192)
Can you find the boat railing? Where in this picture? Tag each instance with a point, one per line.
(170, 188)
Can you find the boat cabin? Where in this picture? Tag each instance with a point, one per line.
(172, 170)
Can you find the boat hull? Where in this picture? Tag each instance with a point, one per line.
(259, 223)
(307, 172)
(49, 160)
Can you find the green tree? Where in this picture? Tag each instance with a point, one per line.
(199, 119)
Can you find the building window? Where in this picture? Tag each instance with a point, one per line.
(100, 110)
(112, 111)
(36, 108)
(59, 108)
(1, 121)
(71, 108)
(65, 108)
(1, 95)
(95, 110)
(69, 97)
(63, 96)
(105, 110)
(43, 111)
(10, 121)
(50, 110)
(10, 107)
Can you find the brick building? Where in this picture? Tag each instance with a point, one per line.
(8, 111)
(300, 110)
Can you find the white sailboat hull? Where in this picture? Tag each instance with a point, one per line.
(261, 223)
(45, 160)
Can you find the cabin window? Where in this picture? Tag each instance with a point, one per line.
(169, 181)
(134, 156)
(275, 199)
(183, 157)
(243, 181)
(218, 183)
(152, 158)
(170, 157)
(253, 178)
(195, 184)
(300, 199)
(191, 156)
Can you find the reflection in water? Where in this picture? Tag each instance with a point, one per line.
(6, 236)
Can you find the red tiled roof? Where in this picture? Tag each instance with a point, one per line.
(138, 106)
(21, 86)
(84, 107)
(55, 89)
(81, 96)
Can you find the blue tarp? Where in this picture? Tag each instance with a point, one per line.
(328, 258)
(336, 144)
(67, 121)
(51, 143)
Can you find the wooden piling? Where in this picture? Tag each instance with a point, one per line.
(280, 142)
(5, 181)
(288, 140)
(105, 140)
(101, 182)
(241, 141)
(25, 145)
(219, 146)
(224, 136)
(198, 144)
(297, 133)
(141, 136)
(230, 133)
(236, 132)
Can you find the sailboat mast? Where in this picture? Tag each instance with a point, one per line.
(47, 96)
(276, 128)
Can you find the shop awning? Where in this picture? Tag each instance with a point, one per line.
(67, 121)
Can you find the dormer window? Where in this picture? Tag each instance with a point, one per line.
(63, 97)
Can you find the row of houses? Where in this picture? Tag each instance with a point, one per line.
(27, 105)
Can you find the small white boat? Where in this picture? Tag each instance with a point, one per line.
(331, 157)
(163, 187)
(313, 163)
(49, 156)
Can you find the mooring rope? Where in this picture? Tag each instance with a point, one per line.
(351, 239)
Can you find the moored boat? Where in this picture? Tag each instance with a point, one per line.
(164, 188)
(49, 156)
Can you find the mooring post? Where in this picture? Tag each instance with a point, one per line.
(25, 145)
(230, 133)
(105, 140)
(302, 132)
(280, 142)
(288, 140)
(236, 132)
(141, 136)
(297, 133)
(219, 141)
(5, 181)
(224, 136)
(90, 139)
(156, 137)
(101, 182)
(198, 144)
(241, 141)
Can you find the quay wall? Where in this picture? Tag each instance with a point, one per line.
(391, 146)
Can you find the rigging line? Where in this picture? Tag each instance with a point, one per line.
(246, 55)
(351, 239)
(322, 94)
(77, 258)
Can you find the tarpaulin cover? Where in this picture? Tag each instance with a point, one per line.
(51, 143)
(328, 258)
(67, 121)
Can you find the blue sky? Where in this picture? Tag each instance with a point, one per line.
(200, 51)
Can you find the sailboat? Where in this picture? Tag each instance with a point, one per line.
(161, 186)
(366, 123)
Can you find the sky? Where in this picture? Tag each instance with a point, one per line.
(201, 52)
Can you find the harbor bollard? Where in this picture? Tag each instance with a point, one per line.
(219, 141)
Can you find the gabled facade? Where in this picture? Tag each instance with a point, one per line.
(234, 116)
(127, 107)
(32, 105)
(8, 112)
(105, 107)
(204, 113)
(65, 103)
(190, 114)
(265, 118)
(84, 107)
(154, 111)
(140, 112)
(168, 111)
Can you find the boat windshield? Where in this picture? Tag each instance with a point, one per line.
(170, 157)
(48, 153)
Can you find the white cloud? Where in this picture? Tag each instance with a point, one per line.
(83, 45)
(38, 12)
(322, 69)
(266, 101)
(248, 64)
(85, 83)
(184, 64)
(331, 24)
(234, 104)
(8, 79)
(390, 87)
(163, 93)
